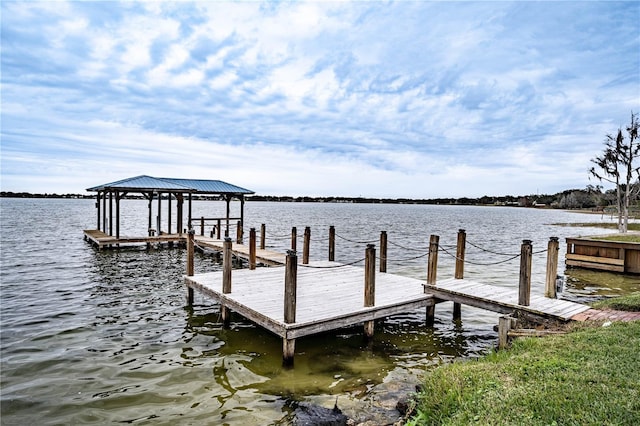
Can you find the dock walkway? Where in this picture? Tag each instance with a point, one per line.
(268, 257)
(503, 300)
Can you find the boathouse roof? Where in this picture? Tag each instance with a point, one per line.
(145, 183)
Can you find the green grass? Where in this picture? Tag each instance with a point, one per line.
(630, 303)
(590, 376)
(623, 238)
(635, 226)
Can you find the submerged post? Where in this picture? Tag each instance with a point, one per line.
(226, 278)
(290, 295)
(552, 268)
(252, 248)
(263, 235)
(459, 272)
(305, 247)
(190, 268)
(383, 251)
(294, 238)
(332, 243)
(524, 288)
(432, 269)
(369, 286)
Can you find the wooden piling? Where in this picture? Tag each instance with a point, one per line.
(239, 232)
(459, 271)
(369, 286)
(294, 238)
(226, 278)
(190, 268)
(524, 288)
(252, 248)
(219, 228)
(202, 225)
(290, 296)
(552, 267)
(305, 246)
(332, 243)
(263, 236)
(383, 251)
(432, 269)
(505, 323)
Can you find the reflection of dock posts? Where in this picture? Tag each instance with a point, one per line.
(432, 269)
(239, 232)
(252, 248)
(305, 246)
(294, 238)
(263, 236)
(332, 243)
(524, 287)
(190, 269)
(369, 286)
(202, 225)
(226, 279)
(552, 267)
(459, 273)
(383, 251)
(290, 290)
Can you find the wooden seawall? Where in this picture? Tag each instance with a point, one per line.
(604, 255)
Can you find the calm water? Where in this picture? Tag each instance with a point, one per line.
(104, 337)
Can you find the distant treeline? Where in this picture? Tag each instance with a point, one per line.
(590, 197)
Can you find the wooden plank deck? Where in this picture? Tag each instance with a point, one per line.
(329, 296)
(101, 239)
(268, 257)
(503, 300)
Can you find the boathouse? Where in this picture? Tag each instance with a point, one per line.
(167, 191)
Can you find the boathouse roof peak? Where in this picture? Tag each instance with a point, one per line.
(149, 183)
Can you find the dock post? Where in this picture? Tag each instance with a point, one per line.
(294, 238)
(432, 269)
(524, 288)
(202, 225)
(190, 269)
(263, 235)
(332, 243)
(239, 232)
(459, 272)
(383, 251)
(305, 247)
(552, 267)
(505, 323)
(252, 248)
(226, 279)
(218, 229)
(369, 286)
(290, 294)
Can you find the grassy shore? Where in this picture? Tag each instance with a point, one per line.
(589, 376)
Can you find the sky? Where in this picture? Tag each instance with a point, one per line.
(400, 99)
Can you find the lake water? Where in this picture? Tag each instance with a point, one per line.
(92, 337)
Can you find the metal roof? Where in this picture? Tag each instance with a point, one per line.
(145, 183)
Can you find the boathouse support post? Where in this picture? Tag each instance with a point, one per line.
(369, 286)
(459, 271)
(239, 232)
(190, 268)
(98, 210)
(294, 238)
(290, 295)
(104, 212)
(202, 225)
(263, 235)
(524, 288)
(305, 246)
(180, 213)
(332, 243)
(226, 279)
(218, 229)
(383, 251)
(432, 269)
(227, 198)
(252, 248)
(552, 267)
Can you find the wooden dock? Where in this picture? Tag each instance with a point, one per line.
(101, 240)
(329, 296)
(503, 300)
(267, 257)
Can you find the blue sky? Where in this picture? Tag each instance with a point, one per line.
(379, 99)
